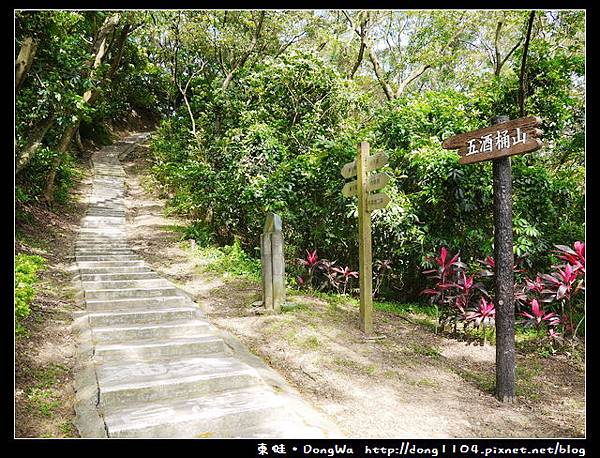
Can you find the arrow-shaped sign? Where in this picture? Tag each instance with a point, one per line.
(377, 181)
(373, 162)
(378, 200)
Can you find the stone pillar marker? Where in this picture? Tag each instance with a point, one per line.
(272, 263)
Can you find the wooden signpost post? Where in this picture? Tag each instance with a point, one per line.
(367, 202)
(498, 142)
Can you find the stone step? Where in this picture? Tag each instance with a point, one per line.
(221, 415)
(160, 315)
(143, 303)
(105, 210)
(102, 225)
(107, 257)
(123, 384)
(114, 270)
(106, 218)
(284, 426)
(127, 293)
(101, 240)
(121, 284)
(100, 251)
(102, 221)
(100, 264)
(148, 275)
(123, 332)
(102, 234)
(116, 244)
(148, 350)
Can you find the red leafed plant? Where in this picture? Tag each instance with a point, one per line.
(564, 284)
(574, 256)
(462, 299)
(537, 317)
(483, 315)
(346, 274)
(453, 290)
(310, 262)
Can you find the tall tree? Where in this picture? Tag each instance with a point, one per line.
(100, 48)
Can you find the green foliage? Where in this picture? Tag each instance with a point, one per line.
(26, 268)
(59, 77)
(230, 260)
(281, 144)
(44, 401)
(247, 130)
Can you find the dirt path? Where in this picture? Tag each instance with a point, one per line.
(412, 384)
(44, 358)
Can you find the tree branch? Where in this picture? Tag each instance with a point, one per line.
(24, 61)
(522, 79)
(413, 76)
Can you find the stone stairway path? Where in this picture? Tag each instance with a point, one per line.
(149, 363)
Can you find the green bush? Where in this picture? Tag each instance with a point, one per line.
(276, 141)
(26, 268)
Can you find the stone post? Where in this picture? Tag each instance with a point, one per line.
(272, 263)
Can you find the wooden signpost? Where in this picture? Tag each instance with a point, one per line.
(367, 202)
(498, 142)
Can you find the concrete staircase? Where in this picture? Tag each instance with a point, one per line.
(150, 365)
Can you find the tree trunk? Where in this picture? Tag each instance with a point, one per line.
(34, 141)
(62, 149)
(413, 76)
(379, 73)
(522, 79)
(363, 45)
(24, 61)
(78, 141)
(120, 47)
(100, 48)
(504, 278)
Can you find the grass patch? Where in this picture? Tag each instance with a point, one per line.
(229, 261)
(48, 376)
(526, 373)
(310, 343)
(354, 366)
(427, 382)
(426, 350)
(405, 309)
(68, 429)
(44, 401)
(485, 382)
(26, 268)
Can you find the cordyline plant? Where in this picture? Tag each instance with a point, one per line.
(482, 316)
(346, 273)
(331, 279)
(311, 262)
(453, 293)
(462, 299)
(382, 271)
(559, 287)
(325, 273)
(538, 317)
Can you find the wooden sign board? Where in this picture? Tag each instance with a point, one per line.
(505, 139)
(373, 162)
(377, 181)
(378, 200)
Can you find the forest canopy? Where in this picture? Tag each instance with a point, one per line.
(258, 110)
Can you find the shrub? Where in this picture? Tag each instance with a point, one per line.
(26, 268)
